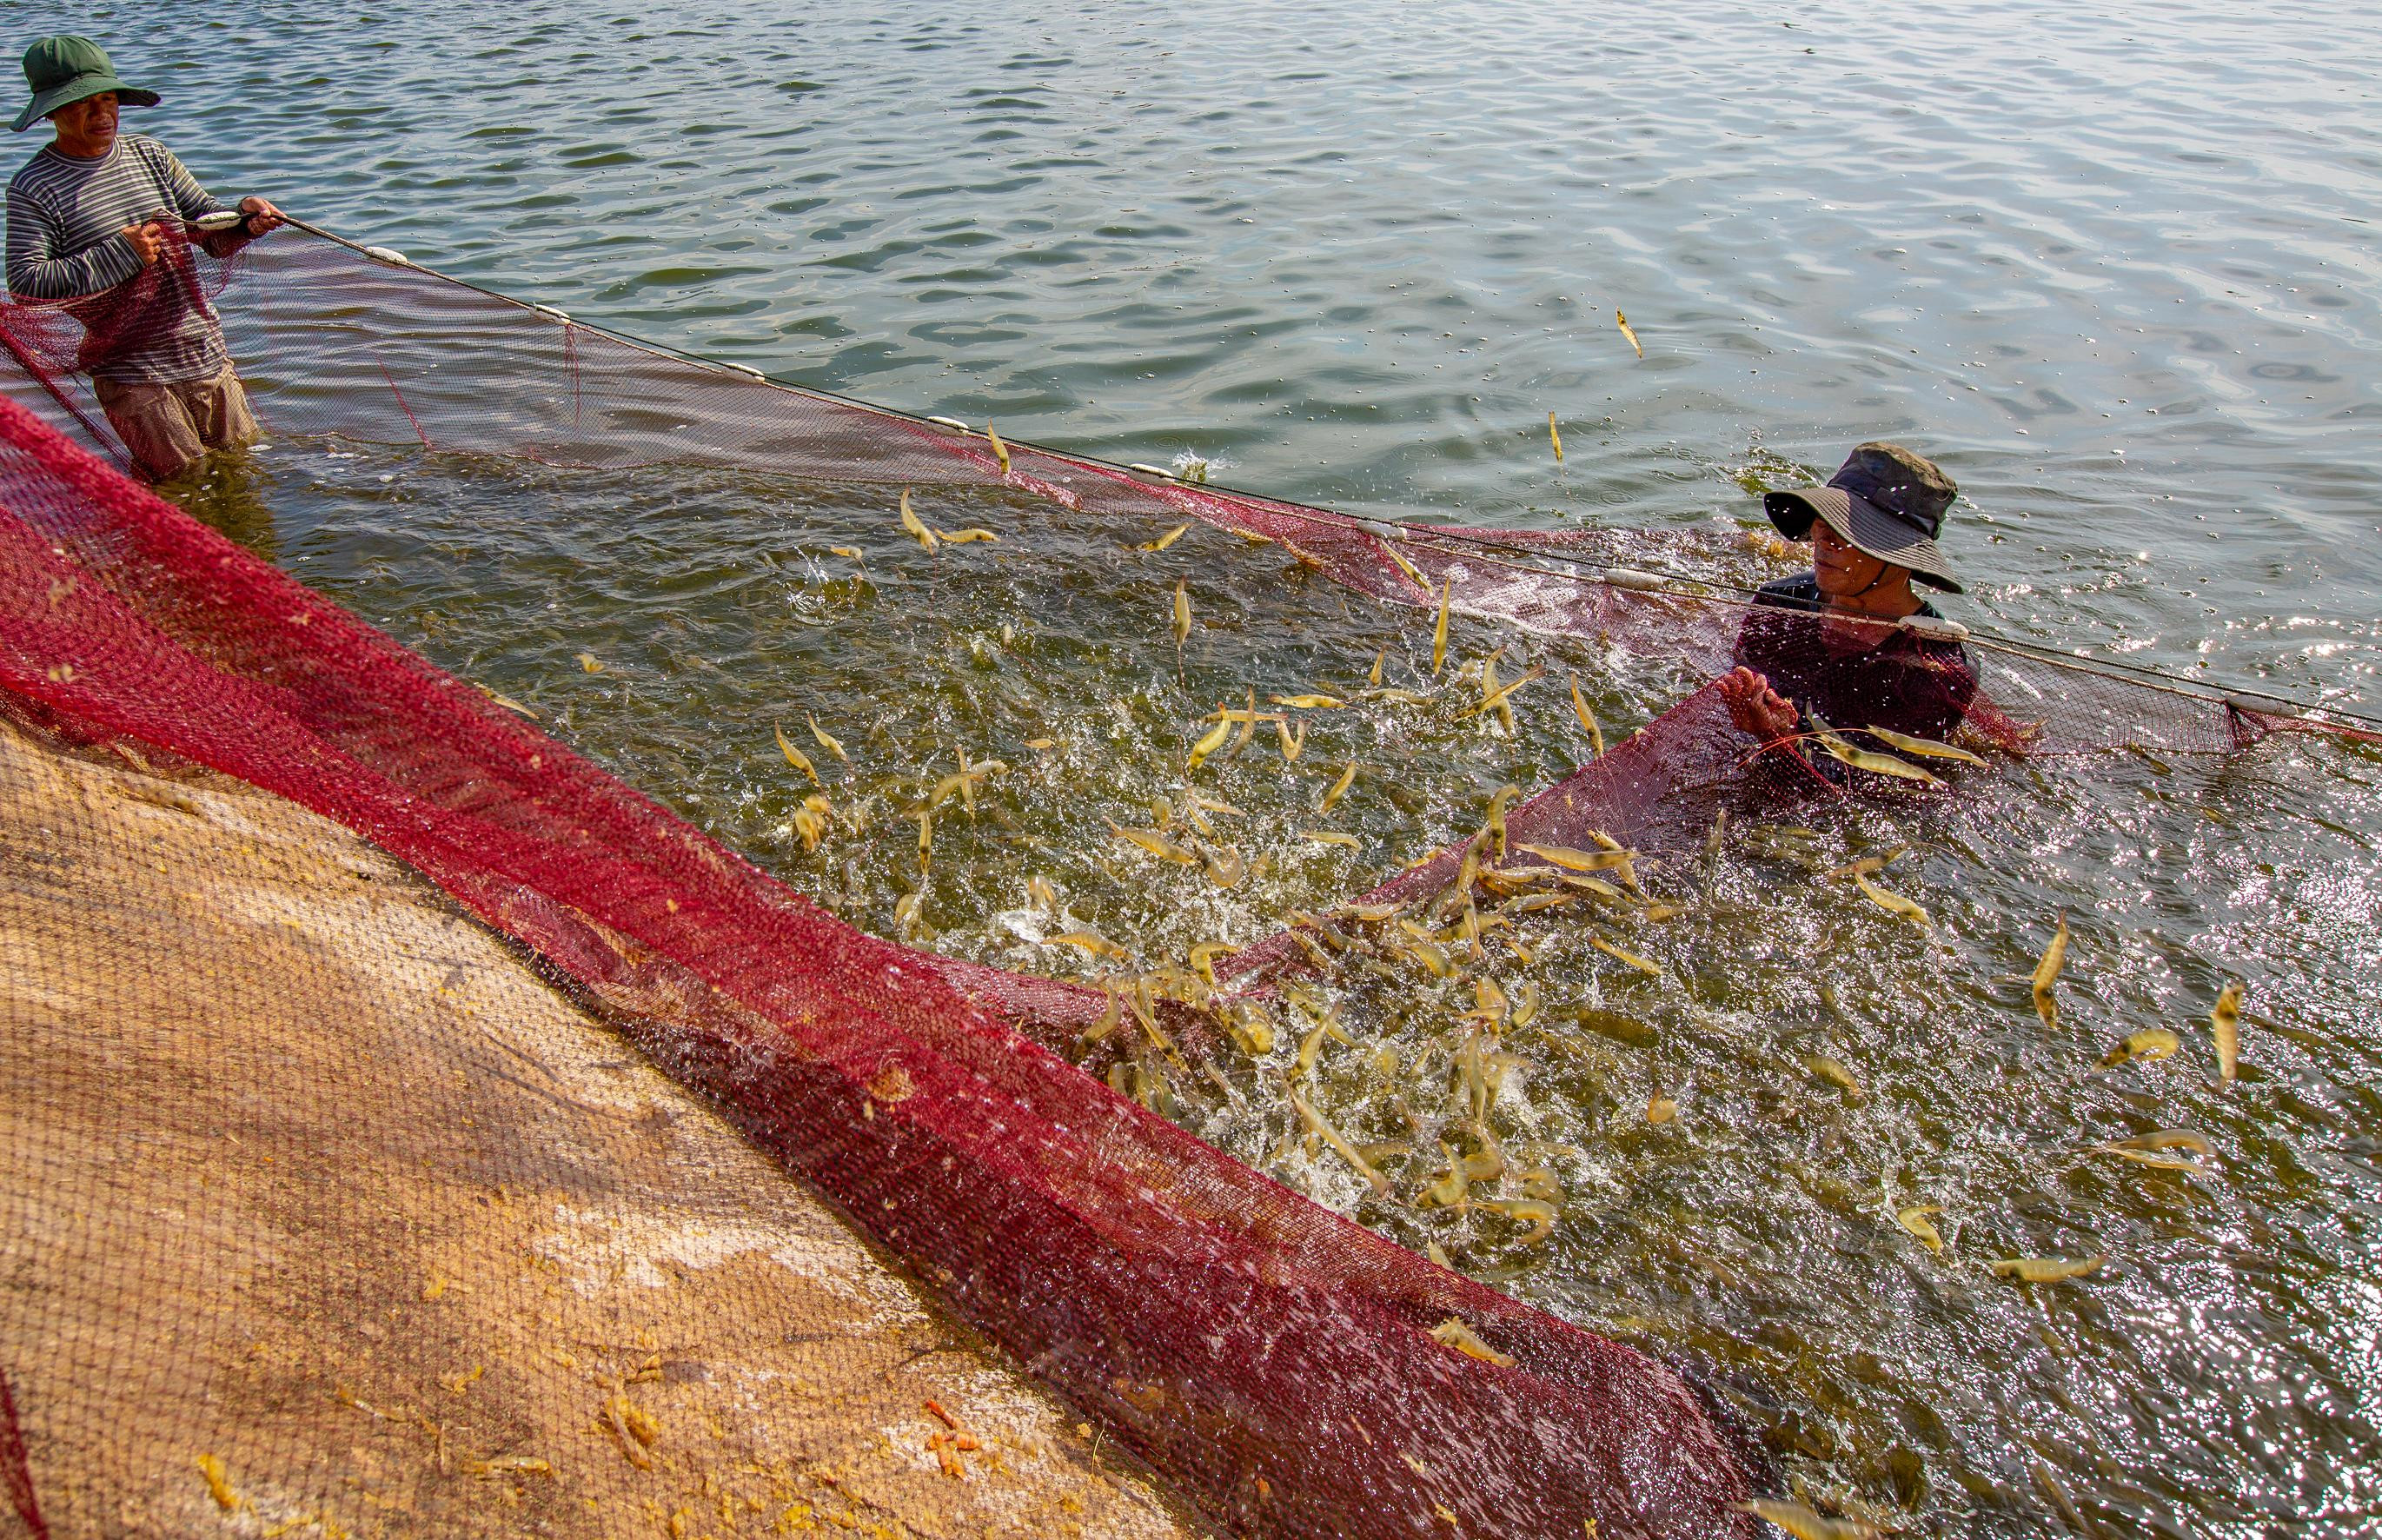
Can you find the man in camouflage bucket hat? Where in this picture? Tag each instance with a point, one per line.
(1872, 530)
(88, 212)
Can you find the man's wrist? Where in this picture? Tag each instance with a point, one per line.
(133, 261)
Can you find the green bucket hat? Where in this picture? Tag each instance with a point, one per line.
(65, 69)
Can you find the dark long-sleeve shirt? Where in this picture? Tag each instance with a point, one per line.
(65, 242)
(1907, 682)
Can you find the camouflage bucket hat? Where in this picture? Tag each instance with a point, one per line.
(1884, 500)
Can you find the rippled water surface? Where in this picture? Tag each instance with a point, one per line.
(2115, 271)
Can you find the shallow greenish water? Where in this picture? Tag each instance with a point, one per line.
(2114, 270)
(1754, 1235)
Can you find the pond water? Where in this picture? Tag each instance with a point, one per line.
(2114, 271)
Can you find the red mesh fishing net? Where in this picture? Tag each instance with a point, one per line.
(1291, 1372)
(332, 340)
(1275, 1362)
(56, 343)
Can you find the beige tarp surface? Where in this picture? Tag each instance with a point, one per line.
(321, 1214)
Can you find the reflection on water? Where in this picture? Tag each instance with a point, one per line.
(1831, 1066)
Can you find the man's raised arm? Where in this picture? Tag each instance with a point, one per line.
(191, 200)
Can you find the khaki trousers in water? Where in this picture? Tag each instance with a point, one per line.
(170, 427)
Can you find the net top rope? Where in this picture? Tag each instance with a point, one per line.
(1522, 553)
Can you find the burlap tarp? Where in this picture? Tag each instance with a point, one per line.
(311, 1161)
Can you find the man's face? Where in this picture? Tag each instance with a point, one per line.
(1842, 570)
(90, 123)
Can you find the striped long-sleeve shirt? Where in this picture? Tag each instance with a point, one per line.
(66, 221)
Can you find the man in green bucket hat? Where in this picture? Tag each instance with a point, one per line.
(89, 213)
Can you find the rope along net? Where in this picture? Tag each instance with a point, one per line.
(334, 341)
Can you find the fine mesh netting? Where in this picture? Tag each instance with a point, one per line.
(1289, 1373)
(332, 340)
(311, 1179)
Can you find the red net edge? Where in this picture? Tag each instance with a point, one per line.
(1270, 1358)
(369, 349)
(1663, 790)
